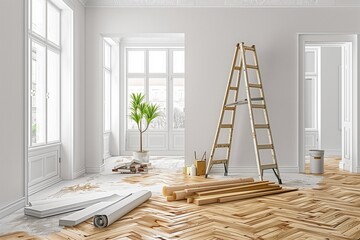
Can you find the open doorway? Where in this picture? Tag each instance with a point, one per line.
(327, 97)
(152, 65)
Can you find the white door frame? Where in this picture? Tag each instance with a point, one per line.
(304, 39)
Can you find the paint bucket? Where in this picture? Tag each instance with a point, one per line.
(316, 161)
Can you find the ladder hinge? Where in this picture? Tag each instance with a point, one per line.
(59, 159)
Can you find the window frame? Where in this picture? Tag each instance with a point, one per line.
(106, 70)
(168, 75)
(49, 46)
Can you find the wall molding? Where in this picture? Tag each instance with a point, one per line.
(43, 185)
(95, 169)
(220, 3)
(78, 173)
(12, 207)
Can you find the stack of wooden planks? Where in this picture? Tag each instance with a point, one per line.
(222, 191)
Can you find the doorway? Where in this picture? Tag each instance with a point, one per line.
(327, 97)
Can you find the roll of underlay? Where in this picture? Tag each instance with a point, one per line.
(112, 213)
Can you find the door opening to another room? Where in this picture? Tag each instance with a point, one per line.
(327, 98)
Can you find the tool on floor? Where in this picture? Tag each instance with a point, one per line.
(240, 66)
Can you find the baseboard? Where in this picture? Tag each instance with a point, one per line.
(79, 173)
(238, 169)
(42, 185)
(95, 169)
(107, 155)
(12, 207)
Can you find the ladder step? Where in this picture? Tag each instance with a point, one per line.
(222, 145)
(219, 161)
(265, 146)
(237, 68)
(255, 85)
(258, 106)
(252, 66)
(252, 48)
(244, 101)
(261, 126)
(234, 88)
(268, 166)
(229, 108)
(226, 125)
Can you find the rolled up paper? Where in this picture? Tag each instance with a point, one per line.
(112, 213)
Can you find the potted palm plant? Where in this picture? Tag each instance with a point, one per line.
(142, 113)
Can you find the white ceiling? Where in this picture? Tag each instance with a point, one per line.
(221, 3)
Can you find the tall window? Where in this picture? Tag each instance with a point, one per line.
(107, 86)
(159, 73)
(44, 71)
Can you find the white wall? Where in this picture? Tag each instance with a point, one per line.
(12, 103)
(330, 100)
(12, 100)
(210, 38)
(79, 89)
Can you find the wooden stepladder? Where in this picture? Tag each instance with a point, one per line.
(254, 104)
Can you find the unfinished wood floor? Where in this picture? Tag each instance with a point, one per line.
(329, 211)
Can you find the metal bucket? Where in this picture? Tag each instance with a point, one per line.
(316, 161)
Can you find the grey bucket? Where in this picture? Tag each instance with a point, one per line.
(316, 161)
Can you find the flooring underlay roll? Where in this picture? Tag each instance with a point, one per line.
(112, 213)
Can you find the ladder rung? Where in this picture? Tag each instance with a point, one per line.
(252, 66)
(249, 48)
(244, 101)
(219, 161)
(258, 106)
(237, 68)
(229, 108)
(226, 125)
(268, 166)
(223, 145)
(234, 88)
(261, 126)
(255, 85)
(265, 146)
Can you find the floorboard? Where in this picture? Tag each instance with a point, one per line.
(329, 211)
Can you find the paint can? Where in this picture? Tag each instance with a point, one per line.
(316, 161)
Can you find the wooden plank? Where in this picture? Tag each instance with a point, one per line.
(255, 85)
(214, 198)
(222, 145)
(207, 188)
(226, 125)
(265, 146)
(236, 189)
(168, 190)
(252, 195)
(219, 161)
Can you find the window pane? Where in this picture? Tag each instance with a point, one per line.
(157, 61)
(157, 95)
(38, 88)
(107, 101)
(53, 24)
(178, 61)
(107, 55)
(53, 96)
(136, 61)
(135, 85)
(38, 16)
(179, 102)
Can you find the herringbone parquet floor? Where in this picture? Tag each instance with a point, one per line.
(329, 211)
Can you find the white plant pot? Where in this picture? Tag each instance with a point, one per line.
(141, 156)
